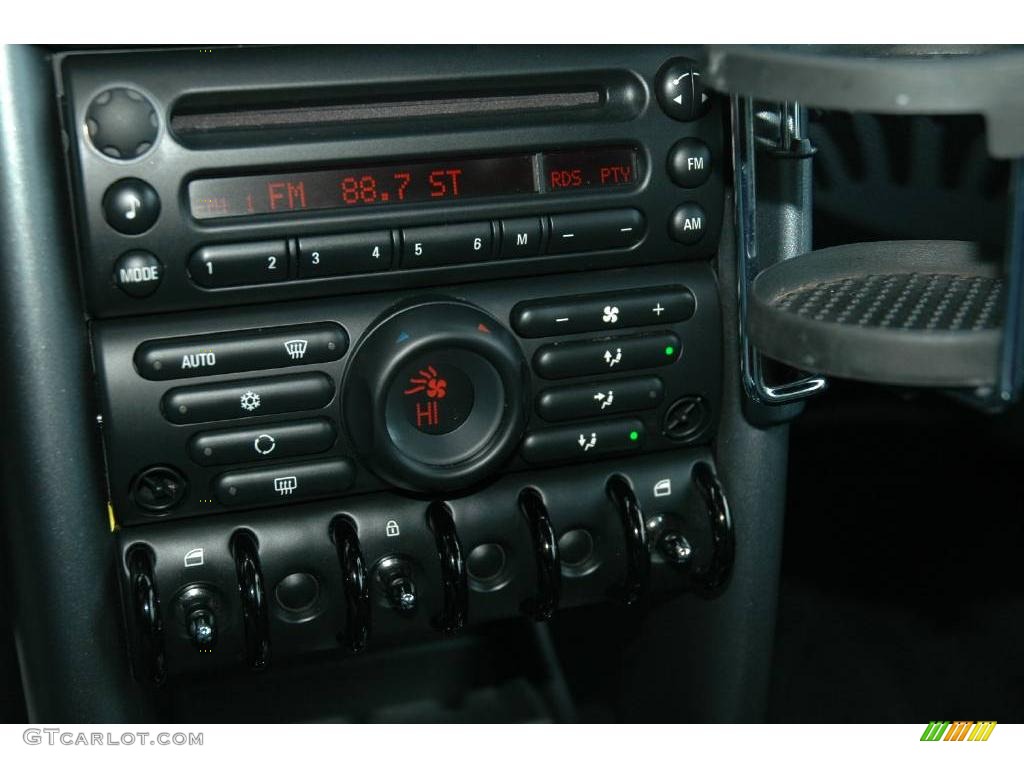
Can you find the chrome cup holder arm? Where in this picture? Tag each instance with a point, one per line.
(1010, 377)
(745, 210)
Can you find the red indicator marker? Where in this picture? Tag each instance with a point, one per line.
(483, 328)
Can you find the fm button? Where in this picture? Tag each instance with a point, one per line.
(138, 273)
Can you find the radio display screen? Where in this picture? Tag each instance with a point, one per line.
(414, 182)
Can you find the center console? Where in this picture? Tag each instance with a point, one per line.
(384, 351)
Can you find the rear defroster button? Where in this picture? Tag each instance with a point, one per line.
(284, 483)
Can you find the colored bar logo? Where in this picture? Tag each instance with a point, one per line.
(958, 731)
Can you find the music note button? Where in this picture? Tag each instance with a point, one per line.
(131, 206)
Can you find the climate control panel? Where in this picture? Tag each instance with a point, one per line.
(422, 392)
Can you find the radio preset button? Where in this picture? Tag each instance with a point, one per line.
(595, 231)
(248, 397)
(263, 442)
(345, 254)
(579, 442)
(603, 311)
(520, 238)
(138, 273)
(613, 355)
(447, 244)
(221, 266)
(284, 483)
(242, 351)
(131, 206)
(585, 401)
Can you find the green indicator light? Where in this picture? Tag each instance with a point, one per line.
(634, 435)
(670, 350)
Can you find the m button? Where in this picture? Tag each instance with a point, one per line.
(520, 238)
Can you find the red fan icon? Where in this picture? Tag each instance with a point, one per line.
(428, 381)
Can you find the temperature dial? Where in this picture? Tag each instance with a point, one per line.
(435, 397)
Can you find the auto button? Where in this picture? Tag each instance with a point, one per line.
(242, 351)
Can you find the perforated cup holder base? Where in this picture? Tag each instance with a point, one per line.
(914, 312)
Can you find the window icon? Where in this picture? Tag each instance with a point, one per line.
(285, 485)
(296, 348)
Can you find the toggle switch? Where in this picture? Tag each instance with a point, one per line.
(394, 576)
(197, 607)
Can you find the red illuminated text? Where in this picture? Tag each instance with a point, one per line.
(284, 195)
(445, 183)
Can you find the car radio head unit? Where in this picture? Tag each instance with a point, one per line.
(193, 190)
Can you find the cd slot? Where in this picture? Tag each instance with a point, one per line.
(208, 120)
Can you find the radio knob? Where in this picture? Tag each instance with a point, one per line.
(435, 396)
